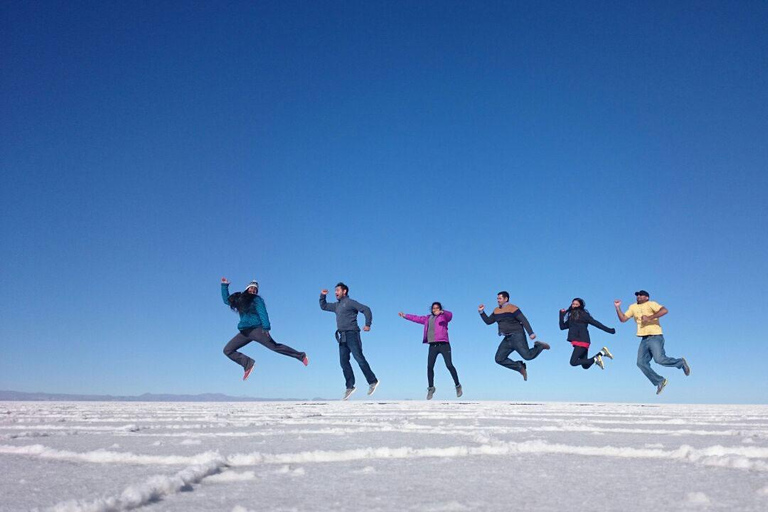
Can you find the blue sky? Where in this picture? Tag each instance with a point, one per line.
(418, 151)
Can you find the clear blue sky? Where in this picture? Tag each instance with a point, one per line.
(419, 151)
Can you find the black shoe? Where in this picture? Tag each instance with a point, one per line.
(524, 373)
(686, 368)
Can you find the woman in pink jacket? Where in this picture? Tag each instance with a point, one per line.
(436, 336)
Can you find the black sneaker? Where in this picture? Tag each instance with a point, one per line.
(686, 368)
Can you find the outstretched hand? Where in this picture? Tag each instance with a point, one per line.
(224, 280)
(401, 314)
(323, 292)
(617, 303)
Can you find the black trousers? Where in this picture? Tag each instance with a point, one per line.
(258, 335)
(434, 350)
(579, 358)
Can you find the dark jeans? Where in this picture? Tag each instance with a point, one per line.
(516, 343)
(434, 350)
(579, 358)
(350, 343)
(258, 335)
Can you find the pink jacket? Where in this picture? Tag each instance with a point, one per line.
(441, 325)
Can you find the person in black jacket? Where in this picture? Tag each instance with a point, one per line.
(577, 320)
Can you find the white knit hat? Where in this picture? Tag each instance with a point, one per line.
(253, 283)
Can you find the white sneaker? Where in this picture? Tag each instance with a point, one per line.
(606, 352)
(373, 387)
(599, 361)
(430, 393)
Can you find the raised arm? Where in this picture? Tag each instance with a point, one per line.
(416, 318)
(487, 319)
(261, 310)
(592, 321)
(324, 304)
(564, 324)
(622, 317)
(225, 290)
(448, 315)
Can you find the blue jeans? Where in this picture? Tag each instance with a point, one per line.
(350, 343)
(652, 347)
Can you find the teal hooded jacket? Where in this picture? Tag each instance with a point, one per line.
(256, 316)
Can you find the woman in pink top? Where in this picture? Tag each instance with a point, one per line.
(436, 336)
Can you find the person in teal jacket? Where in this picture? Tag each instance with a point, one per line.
(253, 326)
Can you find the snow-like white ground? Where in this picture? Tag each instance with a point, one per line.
(365, 456)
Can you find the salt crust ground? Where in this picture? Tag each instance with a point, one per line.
(421, 456)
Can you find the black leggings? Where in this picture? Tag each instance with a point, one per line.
(445, 349)
(258, 335)
(579, 358)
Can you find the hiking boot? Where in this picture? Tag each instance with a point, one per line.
(524, 373)
(305, 360)
(544, 346)
(348, 393)
(661, 387)
(606, 352)
(599, 361)
(430, 393)
(372, 387)
(686, 368)
(249, 369)
(459, 391)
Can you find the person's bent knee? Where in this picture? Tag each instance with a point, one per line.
(574, 363)
(227, 351)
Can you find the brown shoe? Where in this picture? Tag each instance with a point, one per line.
(524, 373)
(544, 346)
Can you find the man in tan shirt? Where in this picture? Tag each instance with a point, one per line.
(647, 313)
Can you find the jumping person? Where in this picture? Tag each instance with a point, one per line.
(577, 320)
(511, 322)
(436, 336)
(348, 336)
(647, 313)
(254, 326)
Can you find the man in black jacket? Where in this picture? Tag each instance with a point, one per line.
(348, 336)
(512, 323)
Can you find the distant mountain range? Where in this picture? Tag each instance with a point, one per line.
(10, 396)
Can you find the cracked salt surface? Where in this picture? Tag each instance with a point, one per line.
(382, 456)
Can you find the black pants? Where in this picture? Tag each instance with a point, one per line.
(579, 358)
(445, 349)
(516, 343)
(258, 335)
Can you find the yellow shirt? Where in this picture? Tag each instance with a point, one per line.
(638, 311)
